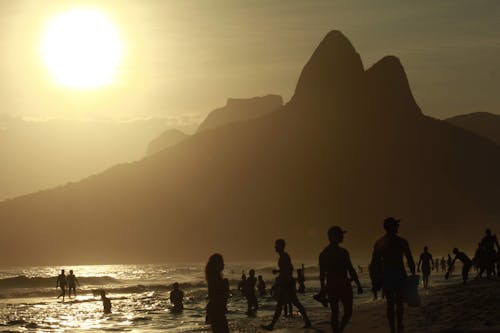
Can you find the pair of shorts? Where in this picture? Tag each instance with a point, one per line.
(339, 290)
(393, 280)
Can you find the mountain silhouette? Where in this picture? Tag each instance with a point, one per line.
(235, 110)
(484, 124)
(350, 148)
(241, 109)
(169, 138)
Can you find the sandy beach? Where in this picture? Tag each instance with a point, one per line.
(474, 308)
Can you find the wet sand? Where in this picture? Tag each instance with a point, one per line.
(474, 308)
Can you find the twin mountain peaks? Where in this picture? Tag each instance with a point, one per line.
(350, 148)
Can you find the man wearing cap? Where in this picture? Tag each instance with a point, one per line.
(334, 267)
(388, 253)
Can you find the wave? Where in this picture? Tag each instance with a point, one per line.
(48, 282)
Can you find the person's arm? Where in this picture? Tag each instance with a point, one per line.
(432, 261)
(419, 263)
(496, 243)
(322, 274)
(451, 265)
(409, 257)
(353, 274)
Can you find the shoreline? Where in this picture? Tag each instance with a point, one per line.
(473, 308)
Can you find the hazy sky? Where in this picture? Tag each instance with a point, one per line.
(184, 58)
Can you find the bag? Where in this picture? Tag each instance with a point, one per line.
(410, 291)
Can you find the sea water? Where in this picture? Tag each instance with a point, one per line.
(139, 297)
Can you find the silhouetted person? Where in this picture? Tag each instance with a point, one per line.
(424, 265)
(217, 294)
(72, 282)
(301, 280)
(443, 264)
(489, 243)
(177, 298)
(286, 286)
(261, 286)
(61, 283)
(479, 260)
(335, 275)
(106, 302)
(360, 269)
(466, 264)
(243, 283)
(436, 265)
(252, 303)
(389, 252)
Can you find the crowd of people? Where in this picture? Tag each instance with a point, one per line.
(387, 272)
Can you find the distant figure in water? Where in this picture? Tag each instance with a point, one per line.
(217, 294)
(177, 298)
(106, 302)
(443, 264)
(243, 283)
(466, 264)
(489, 243)
(436, 265)
(479, 260)
(261, 286)
(360, 269)
(286, 286)
(301, 279)
(252, 303)
(425, 264)
(388, 253)
(62, 283)
(72, 282)
(335, 275)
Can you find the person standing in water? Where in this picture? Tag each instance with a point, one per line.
(243, 284)
(286, 287)
(443, 264)
(489, 243)
(301, 280)
(106, 302)
(425, 264)
(388, 253)
(335, 274)
(176, 298)
(72, 282)
(261, 286)
(217, 294)
(466, 265)
(252, 303)
(436, 265)
(62, 283)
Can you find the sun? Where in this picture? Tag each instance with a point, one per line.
(82, 49)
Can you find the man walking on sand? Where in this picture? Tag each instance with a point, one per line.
(286, 287)
(389, 252)
(334, 267)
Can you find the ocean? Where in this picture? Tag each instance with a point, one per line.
(139, 297)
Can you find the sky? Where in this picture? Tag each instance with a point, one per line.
(184, 58)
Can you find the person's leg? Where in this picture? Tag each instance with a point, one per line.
(400, 310)
(389, 296)
(347, 305)
(334, 306)
(277, 314)
(465, 272)
(218, 323)
(302, 310)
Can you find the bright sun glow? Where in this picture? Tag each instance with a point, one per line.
(82, 49)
